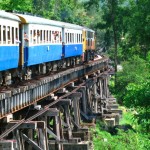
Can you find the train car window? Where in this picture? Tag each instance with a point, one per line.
(53, 37)
(0, 35)
(88, 34)
(92, 35)
(72, 37)
(67, 40)
(41, 36)
(44, 36)
(57, 36)
(31, 34)
(50, 40)
(68, 37)
(47, 36)
(17, 37)
(34, 37)
(13, 36)
(38, 36)
(65, 37)
(4, 34)
(8, 35)
(60, 38)
(88, 42)
(77, 38)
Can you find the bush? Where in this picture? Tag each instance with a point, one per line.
(128, 140)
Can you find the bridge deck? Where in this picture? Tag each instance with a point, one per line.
(15, 99)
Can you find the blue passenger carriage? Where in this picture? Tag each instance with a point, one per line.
(72, 42)
(41, 41)
(9, 44)
(31, 45)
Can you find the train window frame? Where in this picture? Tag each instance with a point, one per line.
(72, 37)
(53, 37)
(75, 38)
(79, 37)
(60, 36)
(34, 36)
(8, 30)
(0, 34)
(50, 36)
(66, 38)
(4, 34)
(30, 36)
(13, 35)
(43, 36)
(47, 36)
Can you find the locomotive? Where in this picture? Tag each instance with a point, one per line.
(31, 45)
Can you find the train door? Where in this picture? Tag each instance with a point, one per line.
(84, 43)
(21, 61)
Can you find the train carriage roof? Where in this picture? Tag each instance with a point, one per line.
(7, 15)
(28, 19)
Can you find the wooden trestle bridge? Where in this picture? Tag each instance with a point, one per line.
(54, 112)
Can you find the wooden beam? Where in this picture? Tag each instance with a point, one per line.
(34, 145)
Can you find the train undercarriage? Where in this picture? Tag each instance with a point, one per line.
(14, 76)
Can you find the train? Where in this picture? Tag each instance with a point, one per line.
(31, 45)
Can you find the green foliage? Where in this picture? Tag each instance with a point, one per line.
(123, 140)
(128, 117)
(133, 89)
(16, 5)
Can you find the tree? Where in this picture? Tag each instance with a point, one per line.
(17, 5)
(133, 88)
